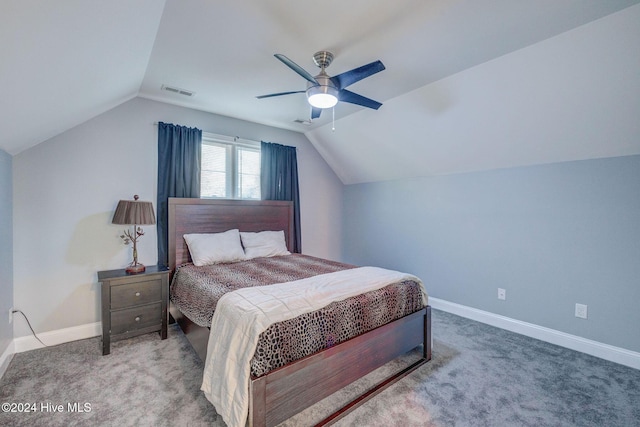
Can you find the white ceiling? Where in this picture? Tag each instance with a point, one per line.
(67, 61)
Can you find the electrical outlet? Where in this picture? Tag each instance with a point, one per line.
(581, 311)
(502, 294)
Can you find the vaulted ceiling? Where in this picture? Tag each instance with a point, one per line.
(451, 91)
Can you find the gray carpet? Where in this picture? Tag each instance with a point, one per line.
(479, 376)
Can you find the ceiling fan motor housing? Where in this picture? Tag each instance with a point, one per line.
(324, 94)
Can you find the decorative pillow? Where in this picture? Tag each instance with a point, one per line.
(264, 244)
(215, 248)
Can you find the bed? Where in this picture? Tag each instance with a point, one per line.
(287, 390)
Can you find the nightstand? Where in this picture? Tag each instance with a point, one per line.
(133, 304)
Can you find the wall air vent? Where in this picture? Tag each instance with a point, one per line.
(178, 90)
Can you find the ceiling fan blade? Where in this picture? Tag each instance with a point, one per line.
(280, 94)
(295, 67)
(354, 98)
(350, 77)
(315, 112)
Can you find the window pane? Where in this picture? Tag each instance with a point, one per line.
(248, 173)
(229, 169)
(213, 182)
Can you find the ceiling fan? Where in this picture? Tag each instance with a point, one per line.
(324, 91)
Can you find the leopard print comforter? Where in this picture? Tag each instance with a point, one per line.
(293, 339)
(196, 290)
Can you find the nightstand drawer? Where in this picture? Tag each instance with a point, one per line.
(131, 319)
(138, 293)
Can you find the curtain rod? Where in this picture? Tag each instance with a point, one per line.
(217, 135)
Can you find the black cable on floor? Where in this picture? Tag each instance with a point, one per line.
(30, 327)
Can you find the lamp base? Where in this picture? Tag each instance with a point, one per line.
(135, 269)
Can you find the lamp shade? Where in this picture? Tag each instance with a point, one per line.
(133, 212)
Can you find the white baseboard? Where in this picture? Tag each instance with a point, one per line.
(573, 342)
(6, 357)
(29, 342)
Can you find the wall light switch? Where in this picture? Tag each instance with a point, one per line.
(581, 311)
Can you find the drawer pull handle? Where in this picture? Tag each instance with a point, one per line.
(137, 294)
(137, 319)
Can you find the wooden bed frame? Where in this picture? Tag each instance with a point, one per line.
(284, 392)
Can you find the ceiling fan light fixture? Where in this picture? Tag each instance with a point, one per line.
(322, 96)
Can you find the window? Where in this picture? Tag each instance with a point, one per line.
(230, 168)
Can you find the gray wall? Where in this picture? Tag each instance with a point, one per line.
(67, 188)
(551, 235)
(6, 249)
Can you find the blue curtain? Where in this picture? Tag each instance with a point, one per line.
(179, 154)
(279, 181)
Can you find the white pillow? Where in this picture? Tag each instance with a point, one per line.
(264, 244)
(215, 248)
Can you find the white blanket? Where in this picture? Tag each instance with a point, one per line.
(241, 316)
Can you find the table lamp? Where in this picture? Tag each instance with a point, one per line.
(136, 213)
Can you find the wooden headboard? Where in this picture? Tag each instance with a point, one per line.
(215, 216)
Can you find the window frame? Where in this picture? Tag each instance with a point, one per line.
(232, 144)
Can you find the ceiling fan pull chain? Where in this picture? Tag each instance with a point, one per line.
(333, 119)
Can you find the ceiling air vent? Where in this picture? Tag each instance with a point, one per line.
(303, 122)
(178, 90)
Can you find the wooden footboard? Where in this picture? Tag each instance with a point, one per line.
(290, 389)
